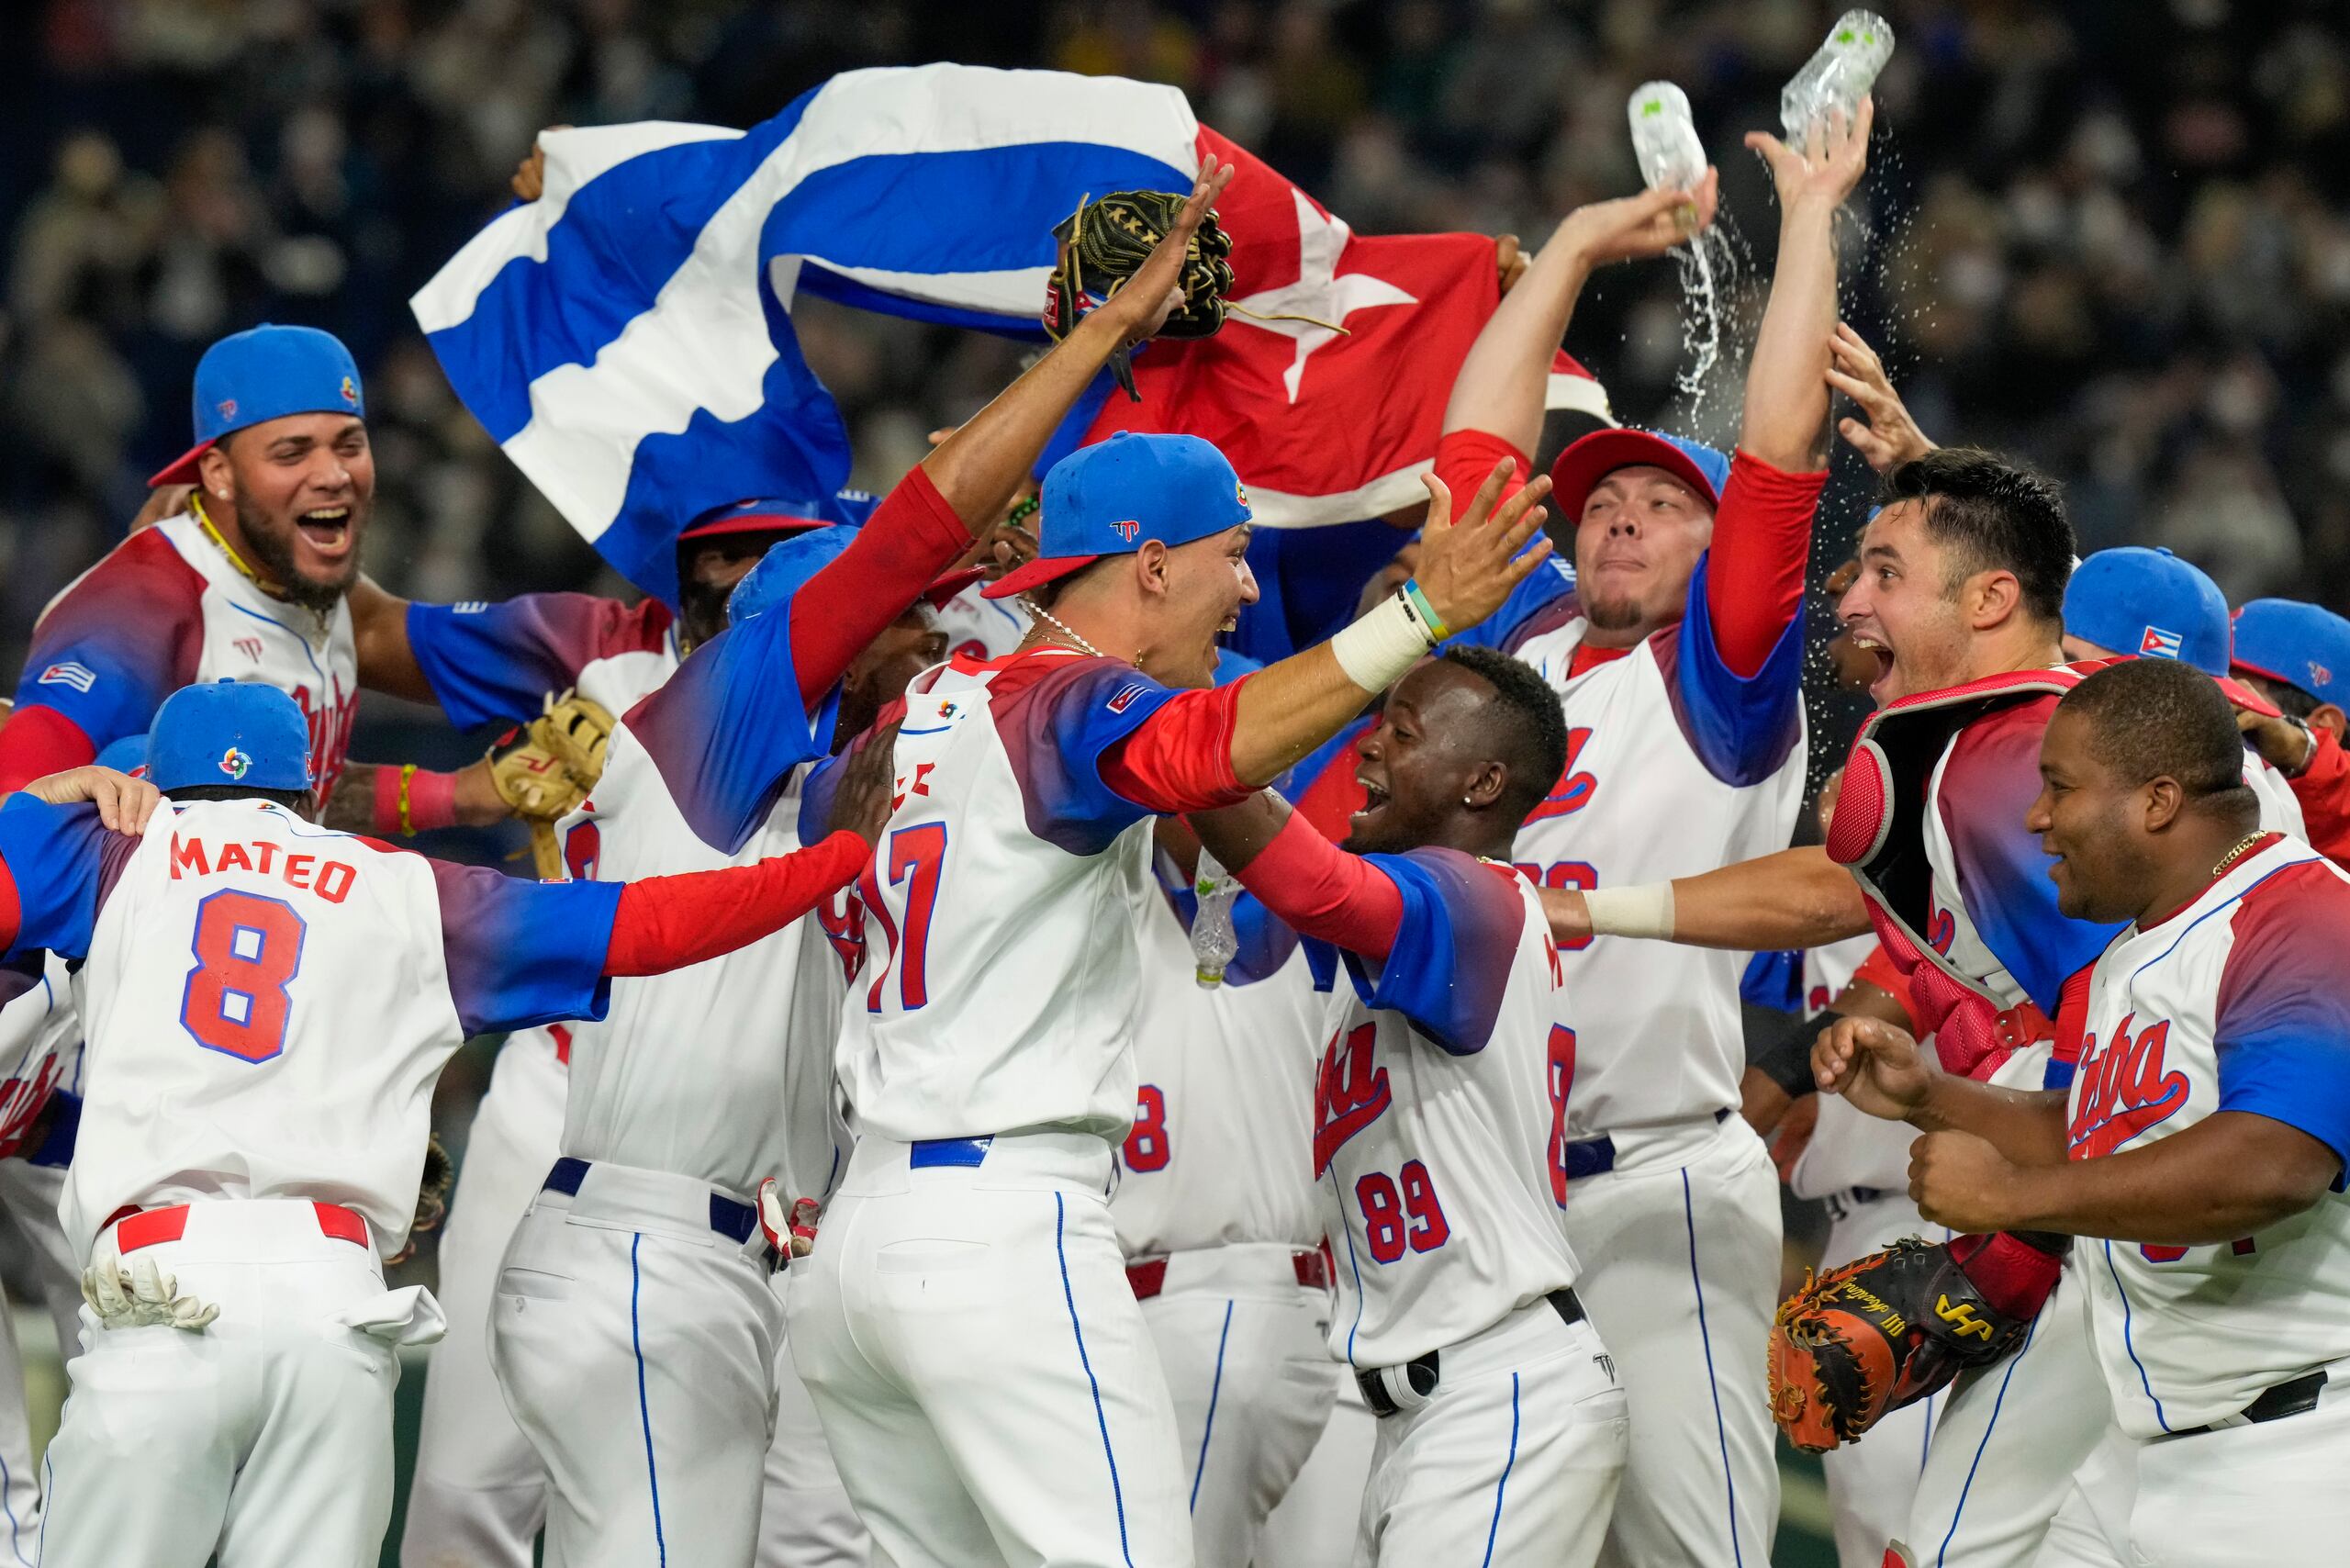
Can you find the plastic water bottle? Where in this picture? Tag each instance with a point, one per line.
(1839, 76)
(1214, 942)
(1665, 139)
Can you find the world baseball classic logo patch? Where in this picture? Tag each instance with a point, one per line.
(81, 678)
(235, 764)
(2158, 644)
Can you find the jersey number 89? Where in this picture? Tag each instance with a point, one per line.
(247, 948)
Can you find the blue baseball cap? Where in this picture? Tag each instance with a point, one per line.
(127, 755)
(2148, 604)
(265, 373)
(1586, 461)
(789, 562)
(2303, 646)
(767, 514)
(230, 732)
(1108, 498)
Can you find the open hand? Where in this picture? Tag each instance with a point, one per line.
(1890, 437)
(530, 180)
(1873, 1064)
(124, 803)
(1142, 306)
(1468, 567)
(1648, 224)
(1827, 166)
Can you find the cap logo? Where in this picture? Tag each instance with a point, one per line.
(235, 764)
(1240, 492)
(350, 391)
(1127, 529)
(228, 408)
(2320, 674)
(2158, 644)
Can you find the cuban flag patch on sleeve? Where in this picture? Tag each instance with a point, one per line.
(1126, 695)
(81, 678)
(2158, 644)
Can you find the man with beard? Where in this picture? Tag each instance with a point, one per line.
(247, 584)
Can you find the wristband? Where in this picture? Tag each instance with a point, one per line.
(1417, 597)
(1377, 649)
(1642, 910)
(390, 798)
(428, 800)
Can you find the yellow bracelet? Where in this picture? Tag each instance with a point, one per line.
(407, 774)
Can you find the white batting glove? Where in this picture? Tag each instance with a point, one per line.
(141, 1296)
(792, 1231)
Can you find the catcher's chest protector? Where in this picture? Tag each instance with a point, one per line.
(1880, 830)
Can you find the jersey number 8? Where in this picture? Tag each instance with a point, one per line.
(248, 948)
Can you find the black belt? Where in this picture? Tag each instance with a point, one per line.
(2276, 1402)
(1421, 1371)
(1588, 1156)
(737, 1222)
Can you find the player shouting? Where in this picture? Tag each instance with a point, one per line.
(2198, 1151)
(1677, 658)
(254, 1122)
(976, 1352)
(1441, 1127)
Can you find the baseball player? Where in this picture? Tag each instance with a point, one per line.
(1678, 657)
(2198, 1153)
(2298, 655)
(1216, 1216)
(637, 1359)
(967, 1327)
(253, 1126)
(1441, 1127)
(479, 1488)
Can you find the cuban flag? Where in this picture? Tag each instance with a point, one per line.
(627, 337)
(2158, 644)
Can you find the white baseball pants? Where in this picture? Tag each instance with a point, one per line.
(1243, 1345)
(1680, 1246)
(980, 1363)
(263, 1441)
(636, 1347)
(479, 1492)
(2268, 1495)
(1314, 1525)
(2006, 1444)
(28, 1196)
(1514, 1458)
(1871, 1484)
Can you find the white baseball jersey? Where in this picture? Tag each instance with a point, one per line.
(40, 1043)
(1218, 1152)
(980, 628)
(1005, 901)
(1674, 767)
(2235, 1004)
(1849, 1147)
(166, 609)
(323, 979)
(1440, 1115)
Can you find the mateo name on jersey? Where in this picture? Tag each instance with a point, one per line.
(331, 880)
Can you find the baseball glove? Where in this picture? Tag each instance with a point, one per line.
(544, 768)
(1103, 243)
(1877, 1334)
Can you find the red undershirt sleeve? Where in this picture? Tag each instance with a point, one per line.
(1755, 565)
(2072, 1013)
(1325, 892)
(667, 922)
(39, 741)
(2324, 791)
(1180, 758)
(913, 537)
(1463, 458)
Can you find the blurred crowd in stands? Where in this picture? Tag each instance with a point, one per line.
(2111, 235)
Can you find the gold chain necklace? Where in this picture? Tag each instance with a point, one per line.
(204, 521)
(2233, 856)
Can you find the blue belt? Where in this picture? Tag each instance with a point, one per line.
(58, 1124)
(930, 1153)
(1597, 1156)
(736, 1222)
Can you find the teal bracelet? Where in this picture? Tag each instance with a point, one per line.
(1418, 599)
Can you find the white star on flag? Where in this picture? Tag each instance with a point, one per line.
(1318, 292)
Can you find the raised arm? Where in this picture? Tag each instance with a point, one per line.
(1786, 416)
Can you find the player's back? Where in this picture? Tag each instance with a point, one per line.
(1444, 1157)
(268, 1004)
(1003, 951)
(1654, 789)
